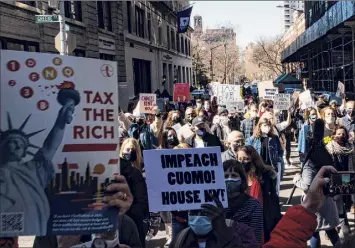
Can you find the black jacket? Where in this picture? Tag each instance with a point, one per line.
(210, 140)
(139, 210)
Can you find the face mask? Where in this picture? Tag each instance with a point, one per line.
(200, 225)
(207, 106)
(247, 166)
(198, 105)
(172, 140)
(329, 119)
(265, 129)
(253, 115)
(176, 119)
(350, 113)
(237, 144)
(140, 122)
(189, 119)
(224, 120)
(233, 186)
(313, 118)
(201, 132)
(130, 156)
(341, 140)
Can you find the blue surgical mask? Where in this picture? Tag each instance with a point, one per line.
(200, 225)
(233, 186)
(313, 118)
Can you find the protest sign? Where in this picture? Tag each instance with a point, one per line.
(270, 93)
(177, 127)
(187, 177)
(340, 90)
(267, 90)
(147, 103)
(182, 92)
(282, 101)
(227, 93)
(63, 112)
(306, 100)
(235, 107)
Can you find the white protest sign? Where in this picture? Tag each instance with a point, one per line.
(227, 93)
(177, 127)
(186, 178)
(235, 107)
(270, 93)
(340, 90)
(147, 103)
(306, 100)
(282, 101)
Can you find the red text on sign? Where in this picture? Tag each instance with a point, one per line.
(96, 132)
(99, 114)
(98, 97)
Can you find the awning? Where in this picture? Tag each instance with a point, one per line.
(287, 78)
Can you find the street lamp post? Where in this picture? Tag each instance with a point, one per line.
(211, 62)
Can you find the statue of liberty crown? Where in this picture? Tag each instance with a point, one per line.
(4, 135)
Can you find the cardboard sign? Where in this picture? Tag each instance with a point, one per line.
(187, 177)
(235, 107)
(270, 93)
(282, 101)
(64, 111)
(227, 93)
(182, 92)
(341, 89)
(306, 100)
(147, 103)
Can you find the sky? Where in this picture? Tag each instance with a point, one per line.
(251, 18)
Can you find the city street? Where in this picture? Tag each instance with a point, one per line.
(286, 187)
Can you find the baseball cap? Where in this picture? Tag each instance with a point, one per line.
(197, 121)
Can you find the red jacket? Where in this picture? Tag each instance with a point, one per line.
(294, 229)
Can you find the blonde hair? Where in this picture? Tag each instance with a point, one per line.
(130, 141)
(257, 130)
(322, 112)
(182, 146)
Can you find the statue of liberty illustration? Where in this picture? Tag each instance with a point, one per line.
(23, 183)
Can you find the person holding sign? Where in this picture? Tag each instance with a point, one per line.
(185, 131)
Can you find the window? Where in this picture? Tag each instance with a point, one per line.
(79, 53)
(109, 57)
(177, 42)
(104, 15)
(19, 45)
(149, 23)
(160, 35)
(186, 48)
(30, 3)
(172, 36)
(168, 36)
(72, 10)
(139, 22)
(129, 17)
(182, 44)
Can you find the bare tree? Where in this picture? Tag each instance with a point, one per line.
(267, 54)
(199, 60)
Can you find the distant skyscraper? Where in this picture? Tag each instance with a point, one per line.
(65, 176)
(289, 8)
(88, 175)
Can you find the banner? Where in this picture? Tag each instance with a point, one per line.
(235, 107)
(227, 93)
(62, 113)
(147, 102)
(183, 20)
(187, 177)
(282, 101)
(182, 92)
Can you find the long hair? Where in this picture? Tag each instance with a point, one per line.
(308, 111)
(138, 163)
(169, 120)
(164, 137)
(342, 128)
(238, 168)
(322, 112)
(257, 131)
(257, 165)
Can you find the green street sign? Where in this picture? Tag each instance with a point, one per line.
(46, 18)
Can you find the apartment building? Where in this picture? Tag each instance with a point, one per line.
(96, 26)
(289, 7)
(153, 48)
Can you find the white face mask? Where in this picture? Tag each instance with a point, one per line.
(198, 105)
(207, 106)
(330, 119)
(265, 129)
(223, 120)
(253, 114)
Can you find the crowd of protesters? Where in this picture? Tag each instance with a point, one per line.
(256, 149)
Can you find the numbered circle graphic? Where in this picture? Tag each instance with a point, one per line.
(26, 92)
(31, 63)
(42, 105)
(13, 65)
(34, 76)
(68, 71)
(57, 61)
(49, 73)
(12, 83)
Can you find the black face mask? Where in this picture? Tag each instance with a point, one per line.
(140, 122)
(247, 166)
(172, 140)
(341, 140)
(130, 156)
(235, 145)
(176, 120)
(351, 113)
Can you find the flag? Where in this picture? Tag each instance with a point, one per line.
(183, 20)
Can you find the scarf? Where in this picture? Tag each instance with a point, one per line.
(256, 191)
(337, 150)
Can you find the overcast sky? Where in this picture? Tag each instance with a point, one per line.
(252, 18)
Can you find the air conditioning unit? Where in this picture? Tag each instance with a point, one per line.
(53, 4)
